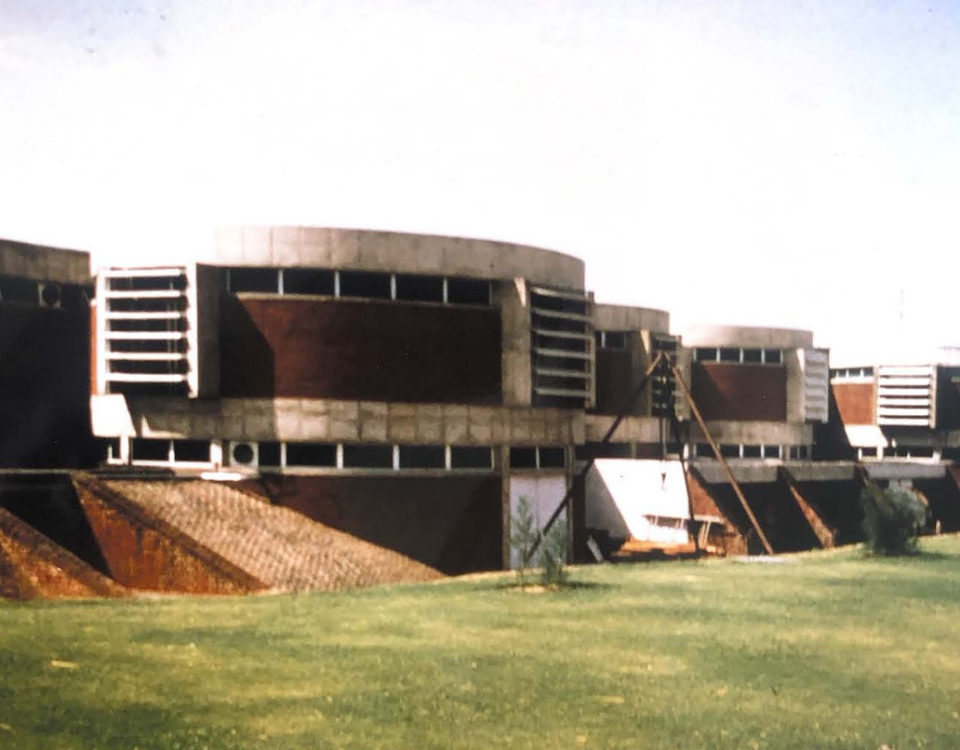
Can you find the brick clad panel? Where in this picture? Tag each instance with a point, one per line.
(740, 391)
(385, 351)
(855, 402)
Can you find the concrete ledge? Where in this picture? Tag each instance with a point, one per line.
(327, 420)
(400, 252)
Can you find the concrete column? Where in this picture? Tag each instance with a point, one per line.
(513, 299)
(504, 462)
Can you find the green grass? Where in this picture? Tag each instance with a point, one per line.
(829, 650)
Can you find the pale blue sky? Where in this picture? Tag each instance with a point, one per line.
(766, 163)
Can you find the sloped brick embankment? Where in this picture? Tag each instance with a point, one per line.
(210, 537)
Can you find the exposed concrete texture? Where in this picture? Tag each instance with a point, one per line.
(630, 430)
(893, 469)
(42, 263)
(513, 299)
(625, 318)
(751, 432)
(746, 336)
(327, 420)
(395, 252)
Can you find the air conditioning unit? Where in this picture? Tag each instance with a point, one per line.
(49, 294)
(244, 455)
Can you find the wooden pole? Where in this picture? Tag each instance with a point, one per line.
(716, 452)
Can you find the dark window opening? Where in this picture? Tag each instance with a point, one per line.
(464, 457)
(729, 354)
(752, 451)
(20, 291)
(150, 450)
(422, 457)
(147, 283)
(269, 454)
(730, 451)
(308, 281)
(368, 456)
(191, 450)
(468, 292)
(771, 451)
(253, 280)
(523, 458)
(752, 355)
(772, 356)
(419, 288)
(364, 284)
(311, 454)
(552, 458)
(614, 340)
(706, 354)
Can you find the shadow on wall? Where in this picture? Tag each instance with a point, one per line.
(453, 524)
(49, 503)
(246, 358)
(44, 381)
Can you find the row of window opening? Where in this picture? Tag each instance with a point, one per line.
(738, 355)
(281, 454)
(359, 284)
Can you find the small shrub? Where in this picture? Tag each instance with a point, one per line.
(553, 554)
(524, 531)
(892, 519)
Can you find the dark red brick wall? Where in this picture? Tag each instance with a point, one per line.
(615, 381)
(359, 350)
(748, 392)
(451, 523)
(855, 402)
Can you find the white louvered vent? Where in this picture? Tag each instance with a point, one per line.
(906, 396)
(147, 331)
(562, 348)
(815, 364)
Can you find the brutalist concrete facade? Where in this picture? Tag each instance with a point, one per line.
(403, 388)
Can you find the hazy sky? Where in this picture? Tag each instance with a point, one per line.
(767, 163)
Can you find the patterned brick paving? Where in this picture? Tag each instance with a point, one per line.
(280, 547)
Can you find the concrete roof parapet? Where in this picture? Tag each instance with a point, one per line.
(396, 252)
(628, 318)
(710, 335)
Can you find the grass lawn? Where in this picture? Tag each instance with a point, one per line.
(824, 650)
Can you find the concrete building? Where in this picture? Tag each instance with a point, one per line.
(44, 356)
(404, 388)
(902, 421)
